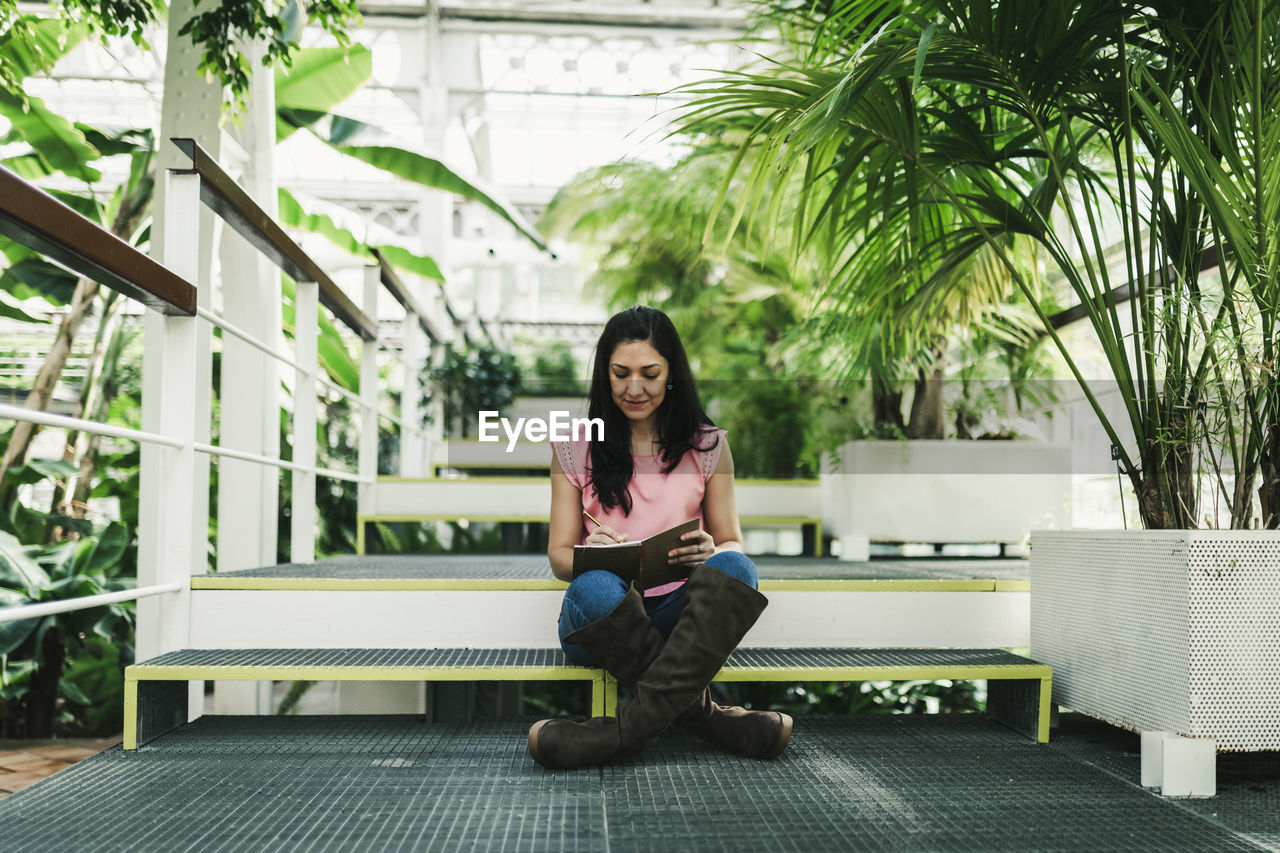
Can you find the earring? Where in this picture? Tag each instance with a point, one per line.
(669, 387)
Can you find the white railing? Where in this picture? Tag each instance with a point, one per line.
(18, 413)
(84, 602)
(177, 380)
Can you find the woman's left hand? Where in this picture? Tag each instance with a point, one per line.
(698, 547)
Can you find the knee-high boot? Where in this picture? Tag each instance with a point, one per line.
(718, 612)
(757, 734)
(624, 642)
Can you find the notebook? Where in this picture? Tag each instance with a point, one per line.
(643, 561)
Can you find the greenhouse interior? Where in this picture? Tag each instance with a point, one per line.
(638, 424)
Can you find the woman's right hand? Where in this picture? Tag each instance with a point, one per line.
(605, 535)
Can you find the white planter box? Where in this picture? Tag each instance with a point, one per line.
(946, 491)
(1163, 630)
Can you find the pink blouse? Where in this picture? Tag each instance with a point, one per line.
(658, 501)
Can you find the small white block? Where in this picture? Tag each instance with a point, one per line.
(855, 548)
(1190, 767)
(1153, 758)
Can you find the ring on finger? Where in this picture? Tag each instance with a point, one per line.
(700, 548)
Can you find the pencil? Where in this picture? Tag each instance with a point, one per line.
(592, 518)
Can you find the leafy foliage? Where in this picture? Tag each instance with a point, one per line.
(553, 372)
(219, 32)
(467, 382)
(224, 29)
(945, 151)
(751, 309)
(77, 562)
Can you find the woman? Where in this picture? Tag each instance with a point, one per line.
(662, 462)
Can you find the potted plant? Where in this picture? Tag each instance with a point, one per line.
(1134, 147)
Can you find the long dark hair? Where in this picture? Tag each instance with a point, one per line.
(682, 422)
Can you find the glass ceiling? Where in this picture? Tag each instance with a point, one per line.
(522, 95)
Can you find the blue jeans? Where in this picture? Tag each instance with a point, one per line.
(592, 595)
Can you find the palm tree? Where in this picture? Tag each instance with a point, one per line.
(736, 308)
(929, 134)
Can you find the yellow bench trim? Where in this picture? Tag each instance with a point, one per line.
(1004, 672)
(229, 581)
(362, 520)
(604, 692)
(194, 672)
(375, 584)
(877, 585)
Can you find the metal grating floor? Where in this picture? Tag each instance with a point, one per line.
(838, 658)
(393, 783)
(525, 567)
(545, 658)
(435, 658)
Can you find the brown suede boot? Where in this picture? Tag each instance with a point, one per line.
(718, 612)
(624, 643)
(756, 734)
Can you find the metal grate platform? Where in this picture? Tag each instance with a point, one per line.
(532, 572)
(1018, 688)
(891, 660)
(331, 659)
(155, 694)
(908, 782)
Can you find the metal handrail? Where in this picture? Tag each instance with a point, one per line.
(276, 462)
(67, 605)
(35, 416)
(249, 339)
(391, 281)
(38, 221)
(18, 413)
(343, 392)
(225, 197)
(334, 474)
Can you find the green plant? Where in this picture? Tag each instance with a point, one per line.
(858, 697)
(34, 652)
(1127, 145)
(467, 382)
(219, 32)
(553, 371)
(746, 298)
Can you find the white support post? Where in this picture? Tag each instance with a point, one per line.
(169, 541)
(411, 443)
(191, 108)
(302, 543)
(248, 493)
(368, 465)
(374, 697)
(1179, 766)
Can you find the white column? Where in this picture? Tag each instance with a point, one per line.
(374, 697)
(412, 447)
(368, 465)
(248, 493)
(170, 537)
(302, 543)
(191, 108)
(456, 54)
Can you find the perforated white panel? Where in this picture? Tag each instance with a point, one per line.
(1234, 584)
(1163, 630)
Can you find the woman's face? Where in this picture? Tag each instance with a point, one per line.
(637, 379)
